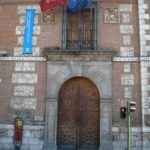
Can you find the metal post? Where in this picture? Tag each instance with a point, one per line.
(17, 147)
(129, 141)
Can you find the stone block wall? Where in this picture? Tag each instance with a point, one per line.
(126, 87)
(29, 88)
(32, 137)
(22, 86)
(120, 139)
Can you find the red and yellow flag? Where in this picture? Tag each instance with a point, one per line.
(51, 4)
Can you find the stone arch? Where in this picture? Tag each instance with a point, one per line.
(95, 81)
(72, 76)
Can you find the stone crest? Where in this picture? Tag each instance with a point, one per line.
(111, 15)
(48, 17)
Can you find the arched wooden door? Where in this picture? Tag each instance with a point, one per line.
(78, 115)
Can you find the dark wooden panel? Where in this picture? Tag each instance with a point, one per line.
(78, 116)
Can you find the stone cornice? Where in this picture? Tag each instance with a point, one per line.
(82, 55)
(22, 59)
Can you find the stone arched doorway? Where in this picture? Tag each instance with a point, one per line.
(78, 115)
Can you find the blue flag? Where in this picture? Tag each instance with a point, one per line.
(73, 5)
(83, 3)
(76, 5)
(29, 24)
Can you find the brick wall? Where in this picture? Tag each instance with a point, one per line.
(7, 28)
(126, 86)
(22, 87)
(121, 36)
(22, 78)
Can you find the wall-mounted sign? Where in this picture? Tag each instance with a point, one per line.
(29, 25)
(111, 15)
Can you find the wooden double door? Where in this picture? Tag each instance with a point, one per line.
(78, 116)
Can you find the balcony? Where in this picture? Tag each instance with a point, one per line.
(57, 54)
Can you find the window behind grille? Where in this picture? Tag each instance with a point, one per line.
(80, 29)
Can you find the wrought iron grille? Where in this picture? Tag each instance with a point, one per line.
(80, 29)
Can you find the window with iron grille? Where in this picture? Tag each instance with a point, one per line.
(79, 29)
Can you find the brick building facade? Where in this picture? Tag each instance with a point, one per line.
(117, 65)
